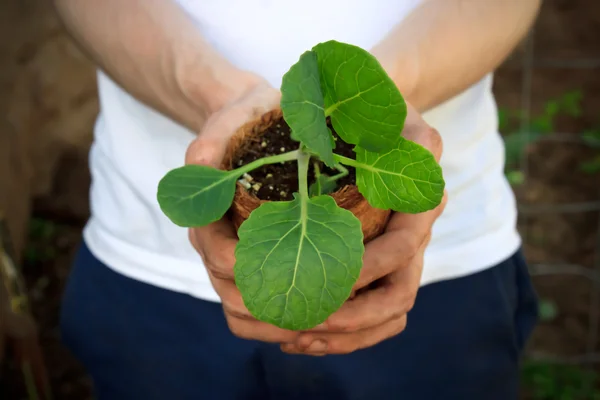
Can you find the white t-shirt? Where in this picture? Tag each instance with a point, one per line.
(135, 146)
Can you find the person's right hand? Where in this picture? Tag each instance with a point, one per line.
(216, 242)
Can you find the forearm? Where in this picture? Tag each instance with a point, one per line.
(445, 46)
(152, 49)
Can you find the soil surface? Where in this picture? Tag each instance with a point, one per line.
(280, 181)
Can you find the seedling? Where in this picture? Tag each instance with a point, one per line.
(297, 260)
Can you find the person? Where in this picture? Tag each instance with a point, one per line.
(151, 309)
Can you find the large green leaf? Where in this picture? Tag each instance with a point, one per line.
(296, 261)
(196, 195)
(303, 108)
(365, 105)
(406, 179)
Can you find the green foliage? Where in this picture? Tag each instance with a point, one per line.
(325, 184)
(41, 246)
(548, 310)
(303, 107)
(405, 178)
(297, 261)
(196, 195)
(592, 139)
(547, 381)
(365, 105)
(517, 136)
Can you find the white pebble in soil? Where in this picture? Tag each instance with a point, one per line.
(245, 183)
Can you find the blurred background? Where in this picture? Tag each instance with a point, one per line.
(548, 94)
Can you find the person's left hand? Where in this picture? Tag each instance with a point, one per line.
(387, 286)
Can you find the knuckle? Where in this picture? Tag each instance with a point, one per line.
(193, 240)
(408, 302)
(444, 201)
(217, 271)
(410, 245)
(205, 150)
(235, 327)
(427, 239)
(434, 139)
(400, 326)
(236, 312)
(219, 265)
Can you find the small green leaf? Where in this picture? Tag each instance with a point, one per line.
(592, 166)
(515, 177)
(547, 310)
(515, 144)
(406, 179)
(196, 195)
(296, 261)
(322, 185)
(365, 105)
(302, 105)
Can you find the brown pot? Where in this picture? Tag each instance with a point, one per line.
(373, 220)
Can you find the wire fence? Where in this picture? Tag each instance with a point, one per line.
(528, 64)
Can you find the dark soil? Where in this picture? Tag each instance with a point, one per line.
(280, 181)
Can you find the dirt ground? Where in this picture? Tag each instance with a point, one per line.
(567, 31)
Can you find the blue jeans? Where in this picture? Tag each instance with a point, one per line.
(463, 342)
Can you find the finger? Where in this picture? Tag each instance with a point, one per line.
(241, 322)
(417, 130)
(216, 244)
(394, 298)
(389, 252)
(231, 299)
(261, 331)
(344, 343)
(210, 145)
(406, 236)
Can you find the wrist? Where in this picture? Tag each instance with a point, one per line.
(212, 86)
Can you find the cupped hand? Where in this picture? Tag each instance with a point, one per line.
(389, 280)
(216, 242)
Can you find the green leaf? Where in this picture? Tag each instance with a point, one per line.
(547, 310)
(296, 261)
(196, 195)
(515, 145)
(322, 185)
(515, 177)
(302, 105)
(365, 105)
(406, 179)
(592, 166)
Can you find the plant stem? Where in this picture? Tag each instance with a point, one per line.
(289, 156)
(343, 172)
(348, 161)
(303, 160)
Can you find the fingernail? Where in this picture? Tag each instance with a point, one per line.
(317, 346)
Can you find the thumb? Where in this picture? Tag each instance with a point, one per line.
(210, 145)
